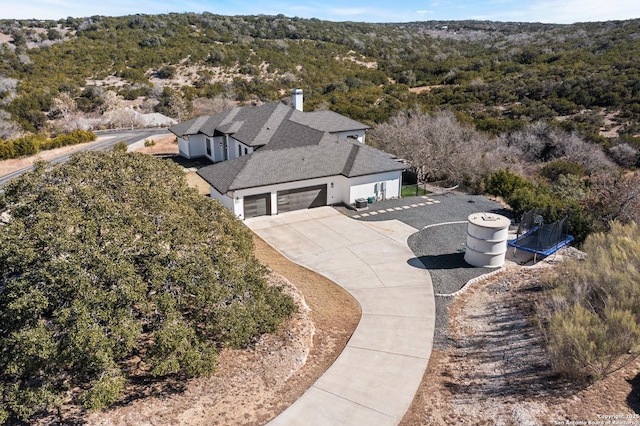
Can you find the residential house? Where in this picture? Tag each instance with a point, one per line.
(274, 158)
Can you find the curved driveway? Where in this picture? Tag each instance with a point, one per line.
(375, 378)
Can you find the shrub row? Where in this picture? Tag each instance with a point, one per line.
(32, 144)
(523, 195)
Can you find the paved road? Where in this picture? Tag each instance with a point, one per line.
(106, 140)
(375, 378)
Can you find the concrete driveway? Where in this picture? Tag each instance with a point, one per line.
(376, 377)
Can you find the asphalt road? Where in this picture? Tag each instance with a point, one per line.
(107, 140)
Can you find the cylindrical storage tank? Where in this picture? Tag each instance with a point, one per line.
(487, 235)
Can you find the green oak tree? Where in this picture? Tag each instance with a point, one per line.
(110, 267)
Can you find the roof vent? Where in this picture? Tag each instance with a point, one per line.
(297, 99)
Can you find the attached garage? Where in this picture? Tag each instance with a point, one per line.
(257, 205)
(302, 198)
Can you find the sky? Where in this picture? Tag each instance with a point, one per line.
(547, 11)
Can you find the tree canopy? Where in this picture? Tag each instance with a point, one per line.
(112, 267)
(501, 76)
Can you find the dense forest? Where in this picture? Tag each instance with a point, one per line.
(498, 76)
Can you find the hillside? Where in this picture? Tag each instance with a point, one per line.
(56, 75)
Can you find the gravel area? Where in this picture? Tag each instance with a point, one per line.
(439, 243)
(440, 248)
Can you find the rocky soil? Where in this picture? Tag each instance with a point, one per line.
(496, 371)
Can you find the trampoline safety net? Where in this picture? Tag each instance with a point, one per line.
(535, 236)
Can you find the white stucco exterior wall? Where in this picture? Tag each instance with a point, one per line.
(357, 134)
(197, 146)
(183, 147)
(370, 186)
(237, 202)
(233, 149)
(226, 200)
(343, 190)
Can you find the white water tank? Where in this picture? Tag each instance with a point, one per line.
(487, 235)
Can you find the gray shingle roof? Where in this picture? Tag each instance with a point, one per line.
(290, 146)
(332, 156)
(190, 127)
(258, 126)
(327, 121)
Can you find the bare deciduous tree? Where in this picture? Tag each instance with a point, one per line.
(64, 105)
(437, 146)
(624, 155)
(178, 106)
(118, 113)
(540, 142)
(614, 198)
(210, 106)
(7, 89)
(8, 129)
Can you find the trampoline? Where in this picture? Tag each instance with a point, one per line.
(534, 236)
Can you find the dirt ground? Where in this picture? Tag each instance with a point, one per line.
(496, 371)
(164, 144)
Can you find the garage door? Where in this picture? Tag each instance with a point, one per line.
(257, 205)
(302, 198)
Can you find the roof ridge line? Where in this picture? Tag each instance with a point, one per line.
(274, 125)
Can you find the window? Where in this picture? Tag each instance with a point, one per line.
(246, 151)
(209, 147)
(239, 151)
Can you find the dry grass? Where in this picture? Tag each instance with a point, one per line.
(164, 144)
(195, 181)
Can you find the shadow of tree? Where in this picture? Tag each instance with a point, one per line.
(633, 399)
(138, 387)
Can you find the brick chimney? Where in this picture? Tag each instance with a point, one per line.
(297, 99)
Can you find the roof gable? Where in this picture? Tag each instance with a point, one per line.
(189, 127)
